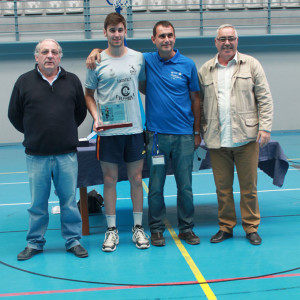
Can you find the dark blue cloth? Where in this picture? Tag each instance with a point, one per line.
(272, 161)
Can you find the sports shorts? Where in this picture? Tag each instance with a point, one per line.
(120, 148)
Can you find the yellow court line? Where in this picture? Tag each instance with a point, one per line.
(293, 159)
(145, 187)
(205, 287)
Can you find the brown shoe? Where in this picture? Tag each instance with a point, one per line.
(27, 253)
(78, 251)
(190, 237)
(157, 239)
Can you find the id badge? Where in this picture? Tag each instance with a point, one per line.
(158, 159)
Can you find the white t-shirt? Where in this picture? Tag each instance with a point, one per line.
(116, 80)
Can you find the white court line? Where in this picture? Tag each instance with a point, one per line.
(209, 173)
(170, 196)
(25, 203)
(166, 196)
(12, 173)
(194, 174)
(263, 191)
(5, 183)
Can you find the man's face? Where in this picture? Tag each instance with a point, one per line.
(115, 35)
(48, 58)
(226, 43)
(164, 40)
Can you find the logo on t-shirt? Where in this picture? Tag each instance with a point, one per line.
(176, 75)
(125, 90)
(111, 73)
(132, 70)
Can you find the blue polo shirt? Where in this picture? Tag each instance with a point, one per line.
(168, 102)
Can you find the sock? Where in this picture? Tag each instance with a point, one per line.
(137, 218)
(111, 220)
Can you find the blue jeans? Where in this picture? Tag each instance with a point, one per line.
(63, 170)
(181, 149)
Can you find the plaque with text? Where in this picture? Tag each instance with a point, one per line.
(113, 115)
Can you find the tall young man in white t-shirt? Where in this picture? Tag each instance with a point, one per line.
(116, 79)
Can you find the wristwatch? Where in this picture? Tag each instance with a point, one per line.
(196, 132)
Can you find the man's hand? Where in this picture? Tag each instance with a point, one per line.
(197, 141)
(264, 138)
(96, 126)
(92, 58)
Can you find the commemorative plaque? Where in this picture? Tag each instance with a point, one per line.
(113, 115)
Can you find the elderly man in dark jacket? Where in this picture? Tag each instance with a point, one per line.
(47, 105)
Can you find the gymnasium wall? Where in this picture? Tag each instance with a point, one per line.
(279, 55)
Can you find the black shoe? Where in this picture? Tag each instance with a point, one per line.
(157, 239)
(78, 251)
(254, 238)
(221, 236)
(28, 253)
(190, 237)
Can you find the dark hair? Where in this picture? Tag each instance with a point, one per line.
(114, 19)
(163, 24)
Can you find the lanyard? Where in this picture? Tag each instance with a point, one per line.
(155, 147)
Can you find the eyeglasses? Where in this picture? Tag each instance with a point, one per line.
(228, 38)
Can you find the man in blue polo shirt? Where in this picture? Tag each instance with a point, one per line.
(173, 129)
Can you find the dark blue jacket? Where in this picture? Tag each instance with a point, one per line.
(47, 115)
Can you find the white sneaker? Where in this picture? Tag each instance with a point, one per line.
(111, 239)
(140, 238)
